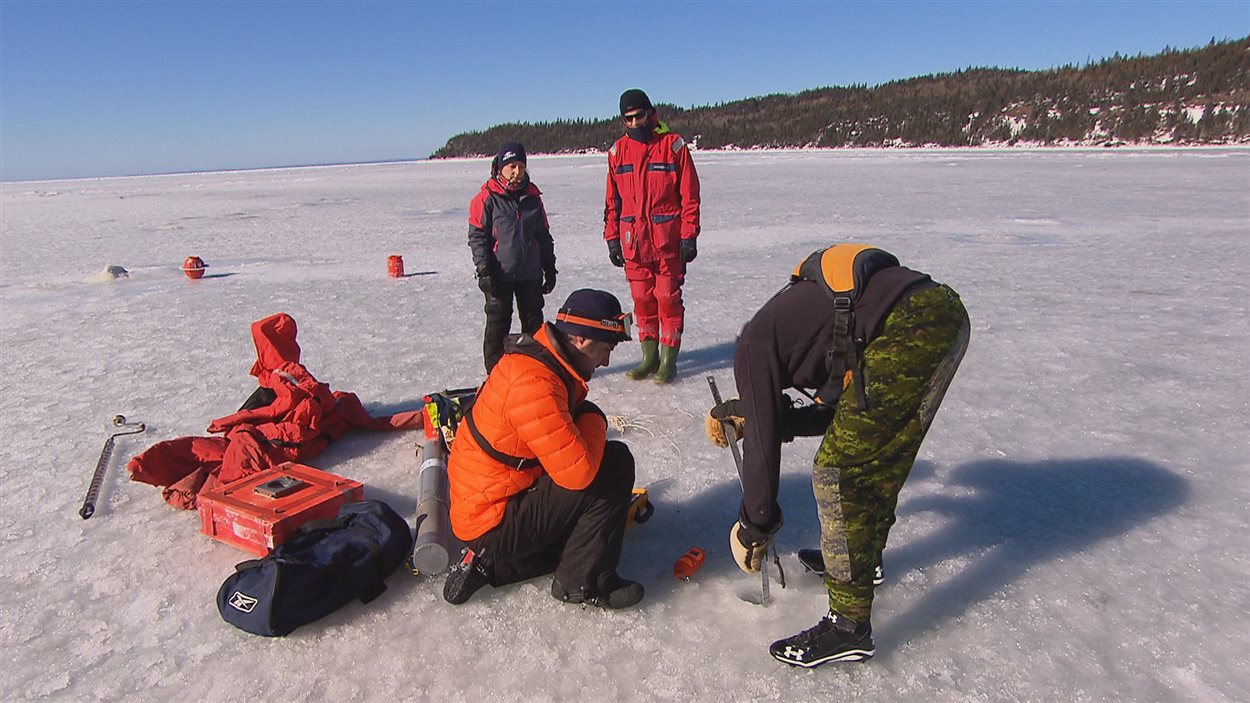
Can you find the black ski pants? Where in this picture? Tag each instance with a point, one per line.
(529, 304)
(576, 534)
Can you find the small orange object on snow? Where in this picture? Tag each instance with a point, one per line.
(688, 563)
(395, 266)
(194, 267)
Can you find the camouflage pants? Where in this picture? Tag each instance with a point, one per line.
(866, 455)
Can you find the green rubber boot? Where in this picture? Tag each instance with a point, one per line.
(668, 364)
(649, 362)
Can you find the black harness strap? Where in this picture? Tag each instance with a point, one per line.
(846, 352)
(525, 346)
(512, 462)
(846, 349)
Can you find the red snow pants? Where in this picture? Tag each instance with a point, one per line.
(656, 289)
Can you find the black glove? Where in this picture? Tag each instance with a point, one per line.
(549, 278)
(727, 410)
(750, 543)
(614, 253)
(485, 281)
(689, 250)
(806, 420)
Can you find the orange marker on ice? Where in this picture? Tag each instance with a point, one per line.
(689, 563)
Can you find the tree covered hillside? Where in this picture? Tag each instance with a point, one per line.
(1194, 96)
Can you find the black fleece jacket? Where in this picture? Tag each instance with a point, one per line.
(785, 346)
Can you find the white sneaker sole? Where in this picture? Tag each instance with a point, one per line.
(852, 655)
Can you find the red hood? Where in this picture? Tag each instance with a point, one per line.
(275, 343)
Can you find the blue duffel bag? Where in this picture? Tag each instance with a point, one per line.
(326, 565)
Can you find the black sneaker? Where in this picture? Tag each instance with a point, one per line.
(466, 578)
(623, 595)
(836, 638)
(813, 561)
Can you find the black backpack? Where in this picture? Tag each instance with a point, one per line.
(325, 566)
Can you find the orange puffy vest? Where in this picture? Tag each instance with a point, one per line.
(526, 410)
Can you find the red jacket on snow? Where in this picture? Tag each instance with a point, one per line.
(300, 423)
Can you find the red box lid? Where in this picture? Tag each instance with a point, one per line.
(242, 495)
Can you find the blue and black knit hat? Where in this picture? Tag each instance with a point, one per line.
(594, 314)
(509, 152)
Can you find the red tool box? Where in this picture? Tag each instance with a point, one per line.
(261, 511)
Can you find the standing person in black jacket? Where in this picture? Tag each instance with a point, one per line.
(513, 252)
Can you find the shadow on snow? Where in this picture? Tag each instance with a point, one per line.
(1003, 517)
(690, 362)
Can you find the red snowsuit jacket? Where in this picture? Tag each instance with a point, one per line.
(301, 422)
(652, 199)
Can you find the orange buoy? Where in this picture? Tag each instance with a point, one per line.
(395, 266)
(194, 267)
(688, 563)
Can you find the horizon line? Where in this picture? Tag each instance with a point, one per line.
(1031, 146)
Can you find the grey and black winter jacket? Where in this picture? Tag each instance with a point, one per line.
(509, 234)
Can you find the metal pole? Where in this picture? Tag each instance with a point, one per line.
(728, 426)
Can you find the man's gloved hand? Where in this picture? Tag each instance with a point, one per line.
(615, 255)
(730, 410)
(485, 281)
(689, 250)
(805, 420)
(549, 278)
(750, 544)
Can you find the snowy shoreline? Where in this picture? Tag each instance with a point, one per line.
(1020, 148)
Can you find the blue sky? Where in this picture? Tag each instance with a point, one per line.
(117, 88)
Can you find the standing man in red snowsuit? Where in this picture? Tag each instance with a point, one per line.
(651, 221)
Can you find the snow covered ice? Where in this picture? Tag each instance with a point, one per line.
(1074, 529)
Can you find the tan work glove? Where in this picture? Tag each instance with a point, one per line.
(714, 423)
(749, 544)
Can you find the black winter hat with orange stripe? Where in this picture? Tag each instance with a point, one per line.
(593, 314)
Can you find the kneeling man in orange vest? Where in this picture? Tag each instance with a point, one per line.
(535, 486)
